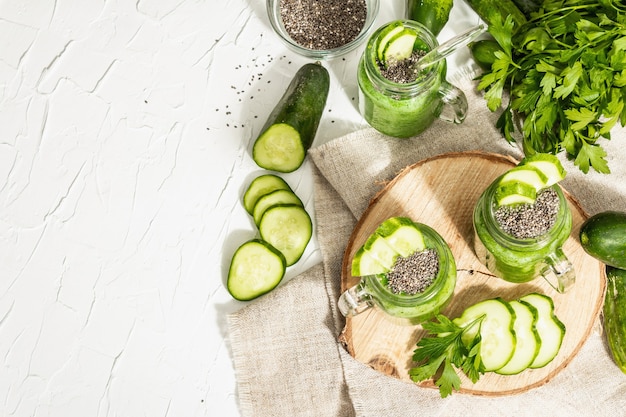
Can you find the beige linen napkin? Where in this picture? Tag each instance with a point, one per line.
(285, 350)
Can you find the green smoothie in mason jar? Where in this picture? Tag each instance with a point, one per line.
(407, 270)
(521, 222)
(397, 99)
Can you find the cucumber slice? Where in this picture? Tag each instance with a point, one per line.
(260, 186)
(255, 269)
(379, 249)
(494, 319)
(288, 228)
(279, 148)
(272, 199)
(551, 329)
(512, 193)
(387, 33)
(528, 341)
(364, 264)
(402, 235)
(399, 47)
(547, 163)
(526, 174)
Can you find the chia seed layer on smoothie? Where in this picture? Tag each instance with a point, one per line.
(527, 221)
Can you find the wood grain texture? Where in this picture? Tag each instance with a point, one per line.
(441, 192)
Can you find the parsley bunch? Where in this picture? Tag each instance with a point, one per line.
(446, 350)
(565, 75)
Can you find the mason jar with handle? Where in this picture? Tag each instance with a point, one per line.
(373, 291)
(522, 260)
(405, 109)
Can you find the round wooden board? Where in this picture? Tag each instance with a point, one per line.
(441, 192)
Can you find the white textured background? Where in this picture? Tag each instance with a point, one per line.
(125, 136)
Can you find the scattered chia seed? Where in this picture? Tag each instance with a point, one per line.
(415, 273)
(323, 24)
(526, 221)
(402, 71)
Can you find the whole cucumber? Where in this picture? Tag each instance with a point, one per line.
(483, 51)
(615, 315)
(433, 14)
(603, 236)
(291, 126)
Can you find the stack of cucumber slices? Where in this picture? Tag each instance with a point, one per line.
(396, 236)
(493, 335)
(515, 335)
(521, 184)
(285, 230)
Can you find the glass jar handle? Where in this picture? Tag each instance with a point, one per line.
(455, 103)
(354, 300)
(559, 271)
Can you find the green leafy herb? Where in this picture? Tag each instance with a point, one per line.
(445, 350)
(564, 73)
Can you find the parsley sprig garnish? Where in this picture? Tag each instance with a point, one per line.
(565, 75)
(444, 349)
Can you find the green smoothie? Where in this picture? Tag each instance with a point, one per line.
(396, 116)
(394, 97)
(518, 260)
(417, 308)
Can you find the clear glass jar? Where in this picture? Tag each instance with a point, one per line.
(403, 110)
(406, 309)
(273, 12)
(522, 260)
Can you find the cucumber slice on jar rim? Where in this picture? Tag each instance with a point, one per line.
(364, 263)
(380, 250)
(386, 34)
(537, 171)
(515, 193)
(399, 47)
(403, 235)
(394, 237)
(526, 174)
(547, 163)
